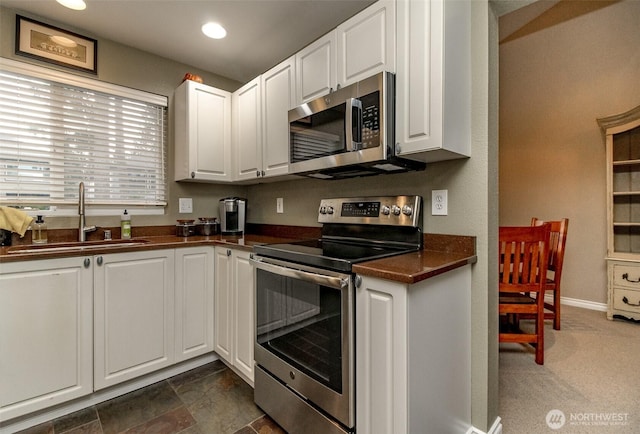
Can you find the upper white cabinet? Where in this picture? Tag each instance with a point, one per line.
(133, 315)
(366, 43)
(433, 79)
(278, 97)
(360, 47)
(261, 123)
(247, 131)
(316, 68)
(46, 333)
(202, 133)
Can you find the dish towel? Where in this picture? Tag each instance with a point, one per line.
(14, 220)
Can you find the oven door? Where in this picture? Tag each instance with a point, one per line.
(304, 333)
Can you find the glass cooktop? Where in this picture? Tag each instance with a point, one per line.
(329, 254)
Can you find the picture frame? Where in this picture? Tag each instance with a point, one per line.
(55, 45)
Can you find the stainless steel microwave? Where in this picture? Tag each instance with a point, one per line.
(348, 133)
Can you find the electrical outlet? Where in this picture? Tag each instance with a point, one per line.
(439, 202)
(185, 205)
(279, 205)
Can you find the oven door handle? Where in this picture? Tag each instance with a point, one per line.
(307, 276)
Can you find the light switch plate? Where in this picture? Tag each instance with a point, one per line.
(279, 205)
(439, 203)
(185, 205)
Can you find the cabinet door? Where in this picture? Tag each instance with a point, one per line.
(194, 301)
(202, 133)
(134, 315)
(223, 304)
(247, 131)
(316, 68)
(278, 97)
(46, 341)
(244, 323)
(433, 81)
(381, 362)
(367, 43)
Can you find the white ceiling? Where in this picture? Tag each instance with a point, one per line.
(260, 32)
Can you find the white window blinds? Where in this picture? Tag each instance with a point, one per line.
(54, 134)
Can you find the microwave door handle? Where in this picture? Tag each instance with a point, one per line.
(320, 279)
(353, 121)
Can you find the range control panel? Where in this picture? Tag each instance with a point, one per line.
(374, 210)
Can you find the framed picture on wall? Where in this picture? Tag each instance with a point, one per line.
(54, 45)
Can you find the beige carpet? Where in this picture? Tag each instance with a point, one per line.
(590, 381)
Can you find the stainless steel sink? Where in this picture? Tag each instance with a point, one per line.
(72, 246)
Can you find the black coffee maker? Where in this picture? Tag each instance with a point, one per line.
(232, 215)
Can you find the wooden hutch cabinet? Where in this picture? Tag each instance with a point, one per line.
(622, 137)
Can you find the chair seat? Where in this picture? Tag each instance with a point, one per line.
(516, 298)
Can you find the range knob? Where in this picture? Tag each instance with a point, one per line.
(323, 209)
(407, 210)
(329, 210)
(385, 210)
(395, 209)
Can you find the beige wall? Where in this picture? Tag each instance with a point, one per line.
(471, 183)
(554, 83)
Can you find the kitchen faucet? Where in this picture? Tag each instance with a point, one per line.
(82, 229)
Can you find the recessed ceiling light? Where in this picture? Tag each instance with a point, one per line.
(77, 5)
(214, 30)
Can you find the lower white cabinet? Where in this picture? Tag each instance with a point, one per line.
(45, 333)
(133, 315)
(193, 302)
(413, 355)
(234, 310)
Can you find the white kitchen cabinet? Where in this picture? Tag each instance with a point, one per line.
(278, 97)
(234, 310)
(202, 123)
(133, 315)
(46, 342)
(261, 124)
(194, 273)
(316, 68)
(359, 48)
(366, 43)
(247, 131)
(433, 80)
(413, 346)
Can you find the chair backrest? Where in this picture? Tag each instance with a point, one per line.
(557, 243)
(524, 257)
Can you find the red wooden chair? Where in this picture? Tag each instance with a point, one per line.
(524, 258)
(557, 242)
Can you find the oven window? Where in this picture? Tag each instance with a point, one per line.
(318, 135)
(301, 323)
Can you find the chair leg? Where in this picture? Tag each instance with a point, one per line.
(540, 333)
(556, 309)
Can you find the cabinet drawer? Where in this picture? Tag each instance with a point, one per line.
(627, 276)
(624, 299)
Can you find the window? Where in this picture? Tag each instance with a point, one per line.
(57, 130)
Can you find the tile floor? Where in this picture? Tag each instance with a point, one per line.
(210, 399)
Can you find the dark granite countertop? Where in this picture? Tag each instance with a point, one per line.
(441, 253)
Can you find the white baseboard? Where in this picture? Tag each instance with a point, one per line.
(585, 304)
(496, 428)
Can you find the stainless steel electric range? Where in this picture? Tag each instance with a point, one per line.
(305, 313)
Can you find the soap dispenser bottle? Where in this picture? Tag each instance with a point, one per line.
(125, 226)
(39, 231)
